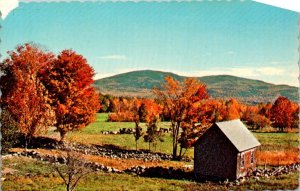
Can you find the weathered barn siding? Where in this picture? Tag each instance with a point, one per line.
(248, 165)
(219, 151)
(215, 156)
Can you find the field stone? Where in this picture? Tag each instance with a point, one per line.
(109, 169)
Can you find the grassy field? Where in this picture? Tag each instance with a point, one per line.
(22, 173)
(284, 142)
(35, 175)
(27, 174)
(92, 135)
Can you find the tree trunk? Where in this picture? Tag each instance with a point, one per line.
(62, 136)
(136, 145)
(174, 151)
(180, 154)
(27, 142)
(175, 140)
(26, 145)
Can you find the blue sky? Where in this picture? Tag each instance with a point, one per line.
(245, 39)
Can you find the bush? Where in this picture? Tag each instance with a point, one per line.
(9, 131)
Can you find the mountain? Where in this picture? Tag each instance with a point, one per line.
(140, 83)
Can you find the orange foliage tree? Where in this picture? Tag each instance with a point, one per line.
(73, 98)
(124, 110)
(233, 110)
(135, 109)
(281, 113)
(23, 94)
(179, 99)
(152, 117)
(253, 117)
(295, 115)
(212, 111)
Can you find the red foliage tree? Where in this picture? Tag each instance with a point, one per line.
(281, 113)
(23, 95)
(265, 110)
(295, 115)
(69, 82)
(179, 100)
(233, 110)
(152, 117)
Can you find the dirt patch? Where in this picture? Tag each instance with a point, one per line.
(8, 171)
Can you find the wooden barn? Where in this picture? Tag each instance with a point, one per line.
(225, 151)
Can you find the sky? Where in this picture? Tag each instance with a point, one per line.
(240, 38)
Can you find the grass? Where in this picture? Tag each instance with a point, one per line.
(278, 141)
(43, 177)
(277, 148)
(37, 175)
(282, 182)
(92, 134)
(276, 158)
(283, 142)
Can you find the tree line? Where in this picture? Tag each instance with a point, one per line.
(191, 110)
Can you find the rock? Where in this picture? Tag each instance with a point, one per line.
(109, 169)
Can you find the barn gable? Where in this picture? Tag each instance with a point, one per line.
(238, 134)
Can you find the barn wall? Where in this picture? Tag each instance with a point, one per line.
(248, 166)
(215, 156)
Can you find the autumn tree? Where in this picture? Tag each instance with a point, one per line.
(73, 98)
(152, 117)
(265, 110)
(135, 108)
(254, 119)
(233, 110)
(24, 97)
(178, 98)
(295, 115)
(281, 113)
(212, 111)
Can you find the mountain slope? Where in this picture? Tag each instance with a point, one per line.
(140, 83)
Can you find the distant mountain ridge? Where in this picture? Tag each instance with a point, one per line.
(140, 84)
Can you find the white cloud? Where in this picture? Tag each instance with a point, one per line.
(118, 71)
(245, 71)
(113, 57)
(270, 71)
(102, 75)
(275, 75)
(6, 6)
(230, 52)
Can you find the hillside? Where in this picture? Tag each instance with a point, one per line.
(140, 83)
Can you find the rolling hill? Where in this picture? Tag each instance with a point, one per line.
(140, 83)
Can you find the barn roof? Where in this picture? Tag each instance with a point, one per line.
(238, 134)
